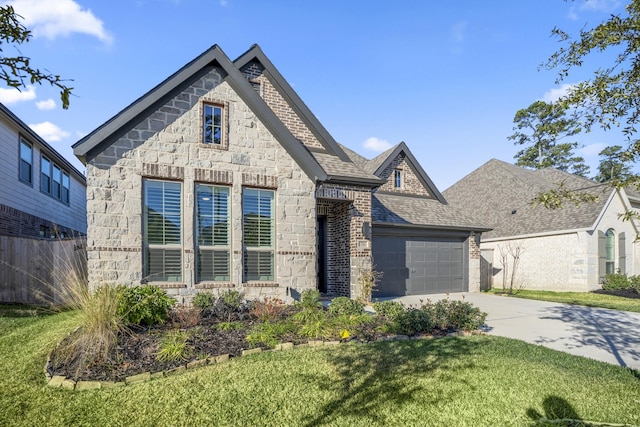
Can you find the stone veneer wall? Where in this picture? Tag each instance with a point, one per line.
(474, 262)
(254, 71)
(411, 184)
(167, 145)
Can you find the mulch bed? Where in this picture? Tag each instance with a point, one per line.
(625, 293)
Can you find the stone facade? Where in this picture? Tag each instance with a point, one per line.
(167, 145)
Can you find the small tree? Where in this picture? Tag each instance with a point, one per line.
(17, 71)
(510, 257)
(368, 281)
(539, 127)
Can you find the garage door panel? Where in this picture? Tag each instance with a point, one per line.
(414, 265)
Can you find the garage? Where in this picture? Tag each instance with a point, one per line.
(415, 265)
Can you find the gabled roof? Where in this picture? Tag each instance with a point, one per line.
(419, 212)
(500, 195)
(110, 131)
(339, 167)
(49, 150)
(393, 153)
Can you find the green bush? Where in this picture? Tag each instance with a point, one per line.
(389, 309)
(230, 305)
(145, 305)
(345, 305)
(616, 281)
(270, 333)
(412, 321)
(459, 315)
(205, 301)
(309, 300)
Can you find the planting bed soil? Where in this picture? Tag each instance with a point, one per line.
(625, 293)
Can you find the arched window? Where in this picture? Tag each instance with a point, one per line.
(610, 251)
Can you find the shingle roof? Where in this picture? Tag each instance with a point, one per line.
(336, 169)
(401, 209)
(500, 195)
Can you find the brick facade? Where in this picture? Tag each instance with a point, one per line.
(410, 182)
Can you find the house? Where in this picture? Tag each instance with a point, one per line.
(221, 177)
(41, 193)
(566, 249)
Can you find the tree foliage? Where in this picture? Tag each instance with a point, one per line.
(539, 128)
(612, 166)
(16, 71)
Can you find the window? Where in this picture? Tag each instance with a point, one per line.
(212, 124)
(163, 231)
(212, 233)
(397, 178)
(57, 182)
(65, 187)
(26, 161)
(45, 175)
(610, 252)
(258, 234)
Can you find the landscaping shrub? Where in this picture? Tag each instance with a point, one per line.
(205, 301)
(173, 347)
(345, 305)
(145, 305)
(267, 309)
(616, 281)
(309, 300)
(185, 317)
(412, 321)
(270, 333)
(230, 305)
(389, 309)
(464, 316)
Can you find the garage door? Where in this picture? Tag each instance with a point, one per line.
(419, 265)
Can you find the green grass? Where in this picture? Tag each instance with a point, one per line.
(580, 298)
(454, 381)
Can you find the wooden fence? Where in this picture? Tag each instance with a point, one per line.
(37, 271)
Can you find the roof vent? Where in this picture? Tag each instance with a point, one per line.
(513, 212)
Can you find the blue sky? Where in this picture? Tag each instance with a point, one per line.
(444, 77)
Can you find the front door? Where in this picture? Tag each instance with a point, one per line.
(321, 253)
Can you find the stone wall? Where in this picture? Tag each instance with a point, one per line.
(167, 145)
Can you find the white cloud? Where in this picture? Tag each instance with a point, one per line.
(49, 132)
(51, 19)
(376, 144)
(554, 94)
(604, 6)
(48, 104)
(591, 150)
(10, 96)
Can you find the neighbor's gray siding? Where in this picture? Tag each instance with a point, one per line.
(28, 199)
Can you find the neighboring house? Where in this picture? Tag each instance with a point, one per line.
(41, 193)
(220, 177)
(565, 249)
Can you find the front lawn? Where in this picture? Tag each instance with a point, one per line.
(588, 299)
(453, 381)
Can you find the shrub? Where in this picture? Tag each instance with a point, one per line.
(309, 300)
(267, 309)
(447, 314)
(173, 347)
(616, 281)
(229, 305)
(389, 309)
(185, 317)
(368, 281)
(100, 324)
(145, 305)
(270, 333)
(205, 301)
(412, 321)
(345, 305)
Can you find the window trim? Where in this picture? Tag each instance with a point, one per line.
(146, 246)
(259, 249)
(50, 175)
(398, 180)
(212, 247)
(610, 236)
(224, 125)
(22, 142)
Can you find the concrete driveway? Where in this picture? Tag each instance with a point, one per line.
(608, 335)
